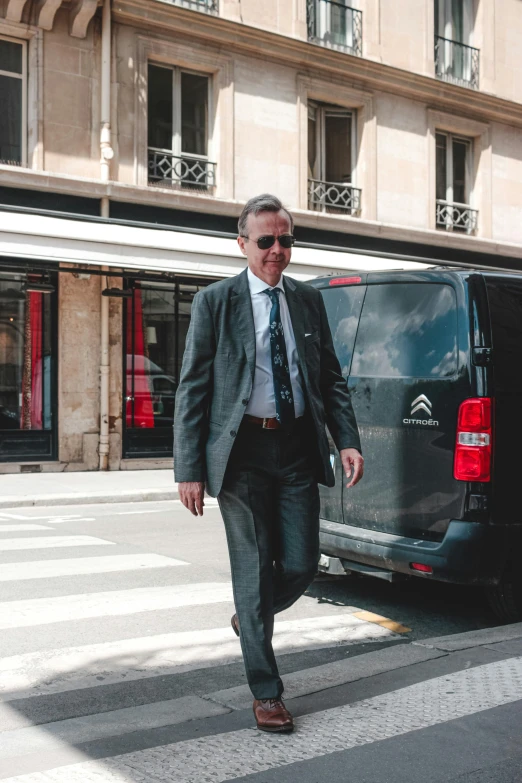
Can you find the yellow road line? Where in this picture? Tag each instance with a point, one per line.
(384, 622)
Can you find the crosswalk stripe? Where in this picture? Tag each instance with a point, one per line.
(21, 528)
(48, 569)
(60, 735)
(4, 515)
(61, 521)
(237, 754)
(51, 542)
(139, 511)
(55, 671)
(40, 611)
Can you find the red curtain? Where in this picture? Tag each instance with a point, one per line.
(32, 397)
(137, 351)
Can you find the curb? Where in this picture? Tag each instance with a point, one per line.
(304, 682)
(308, 681)
(468, 639)
(19, 741)
(76, 499)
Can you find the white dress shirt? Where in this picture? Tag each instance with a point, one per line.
(262, 399)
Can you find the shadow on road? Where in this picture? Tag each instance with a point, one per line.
(428, 608)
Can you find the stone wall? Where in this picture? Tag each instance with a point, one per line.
(71, 100)
(78, 370)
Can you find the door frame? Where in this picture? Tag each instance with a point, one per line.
(159, 444)
(48, 452)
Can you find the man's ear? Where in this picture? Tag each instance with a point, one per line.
(241, 243)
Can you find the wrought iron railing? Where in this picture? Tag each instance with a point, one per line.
(333, 196)
(457, 63)
(207, 6)
(456, 217)
(332, 23)
(189, 171)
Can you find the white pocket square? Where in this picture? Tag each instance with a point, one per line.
(307, 334)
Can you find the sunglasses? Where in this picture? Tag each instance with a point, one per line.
(263, 243)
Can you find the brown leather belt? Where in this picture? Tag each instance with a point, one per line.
(266, 424)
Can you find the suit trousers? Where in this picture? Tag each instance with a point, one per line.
(270, 506)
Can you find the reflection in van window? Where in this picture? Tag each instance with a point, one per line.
(407, 330)
(343, 307)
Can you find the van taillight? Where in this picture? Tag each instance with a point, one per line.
(474, 436)
(345, 281)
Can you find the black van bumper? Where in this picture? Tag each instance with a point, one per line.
(470, 553)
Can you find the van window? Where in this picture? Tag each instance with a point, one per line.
(407, 330)
(505, 304)
(343, 307)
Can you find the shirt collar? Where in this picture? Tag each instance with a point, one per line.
(257, 286)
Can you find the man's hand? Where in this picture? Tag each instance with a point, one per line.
(191, 494)
(353, 464)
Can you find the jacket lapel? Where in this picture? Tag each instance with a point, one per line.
(244, 318)
(296, 309)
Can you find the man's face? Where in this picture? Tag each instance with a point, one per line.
(269, 264)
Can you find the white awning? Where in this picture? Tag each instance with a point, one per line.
(52, 239)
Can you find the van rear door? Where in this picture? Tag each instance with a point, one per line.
(505, 306)
(408, 376)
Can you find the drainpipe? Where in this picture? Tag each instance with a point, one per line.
(106, 155)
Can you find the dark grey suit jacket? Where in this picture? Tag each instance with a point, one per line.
(218, 372)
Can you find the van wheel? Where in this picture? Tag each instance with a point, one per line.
(506, 598)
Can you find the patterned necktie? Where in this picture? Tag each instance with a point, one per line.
(284, 398)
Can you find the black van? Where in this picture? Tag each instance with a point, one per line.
(433, 361)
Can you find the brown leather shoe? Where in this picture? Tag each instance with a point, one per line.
(272, 715)
(234, 622)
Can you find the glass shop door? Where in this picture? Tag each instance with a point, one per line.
(156, 320)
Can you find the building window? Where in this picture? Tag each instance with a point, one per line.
(331, 156)
(27, 367)
(456, 61)
(335, 24)
(207, 6)
(178, 129)
(453, 184)
(13, 83)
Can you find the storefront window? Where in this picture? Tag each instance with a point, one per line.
(26, 359)
(156, 323)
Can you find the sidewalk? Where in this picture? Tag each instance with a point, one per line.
(441, 710)
(60, 489)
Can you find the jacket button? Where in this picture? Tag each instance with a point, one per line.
(233, 433)
(244, 402)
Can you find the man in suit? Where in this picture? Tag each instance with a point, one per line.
(259, 382)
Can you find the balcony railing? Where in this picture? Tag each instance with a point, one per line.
(457, 63)
(207, 6)
(456, 217)
(187, 171)
(333, 196)
(333, 24)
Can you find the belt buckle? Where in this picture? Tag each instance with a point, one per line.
(265, 424)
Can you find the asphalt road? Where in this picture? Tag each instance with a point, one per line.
(115, 639)
(166, 528)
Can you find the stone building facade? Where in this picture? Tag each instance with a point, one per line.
(131, 133)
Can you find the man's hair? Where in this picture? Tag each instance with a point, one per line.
(263, 203)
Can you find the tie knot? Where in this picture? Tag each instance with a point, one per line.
(272, 293)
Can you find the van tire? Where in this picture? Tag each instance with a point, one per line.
(506, 598)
